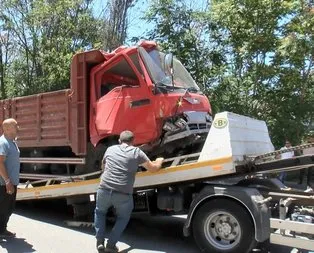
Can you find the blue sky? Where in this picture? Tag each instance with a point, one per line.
(138, 27)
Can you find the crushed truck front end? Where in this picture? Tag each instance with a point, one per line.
(134, 90)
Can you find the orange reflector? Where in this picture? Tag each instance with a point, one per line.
(217, 167)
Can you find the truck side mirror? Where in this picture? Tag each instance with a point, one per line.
(169, 64)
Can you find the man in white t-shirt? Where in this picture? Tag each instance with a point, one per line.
(308, 171)
(285, 155)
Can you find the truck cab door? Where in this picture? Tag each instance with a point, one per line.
(123, 102)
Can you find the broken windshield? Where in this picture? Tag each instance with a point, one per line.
(154, 61)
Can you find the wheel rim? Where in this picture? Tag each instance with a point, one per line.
(222, 230)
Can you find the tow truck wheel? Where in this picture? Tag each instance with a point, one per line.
(223, 226)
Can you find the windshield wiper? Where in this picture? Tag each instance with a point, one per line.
(162, 85)
(193, 89)
(168, 87)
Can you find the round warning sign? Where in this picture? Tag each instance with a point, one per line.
(220, 123)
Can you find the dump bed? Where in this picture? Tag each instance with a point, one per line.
(48, 119)
(44, 119)
(56, 118)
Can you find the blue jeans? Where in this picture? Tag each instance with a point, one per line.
(123, 204)
(282, 176)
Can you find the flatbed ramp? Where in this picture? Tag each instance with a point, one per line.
(231, 138)
(231, 141)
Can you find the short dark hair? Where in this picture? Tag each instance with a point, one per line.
(126, 136)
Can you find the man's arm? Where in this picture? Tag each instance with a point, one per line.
(278, 156)
(4, 175)
(103, 163)
(3, 170)
(153, 165)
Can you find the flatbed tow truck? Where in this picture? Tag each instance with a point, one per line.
(228, 191)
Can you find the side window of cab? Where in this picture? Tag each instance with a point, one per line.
(119, 74)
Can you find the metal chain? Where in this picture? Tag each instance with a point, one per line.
(278, 152)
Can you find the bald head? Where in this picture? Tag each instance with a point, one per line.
(9, 122)
(9, 127)
(126, 137)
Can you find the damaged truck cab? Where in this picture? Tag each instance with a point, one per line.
(132, 90)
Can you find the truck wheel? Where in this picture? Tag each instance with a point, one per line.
(93, 159)
(223, 226)
(58, 169)
(36, 168)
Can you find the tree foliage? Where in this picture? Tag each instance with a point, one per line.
(250, 57)
(180, 29)
(45, 35)
(116, 23)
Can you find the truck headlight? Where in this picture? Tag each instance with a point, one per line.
(169, 127)
(181, 123)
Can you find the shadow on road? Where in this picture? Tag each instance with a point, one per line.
(49, 211)
(16, 245)
(144, 232)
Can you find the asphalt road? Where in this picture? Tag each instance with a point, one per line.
(43, 230)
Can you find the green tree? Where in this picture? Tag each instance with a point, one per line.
(180, 29)
(6, 52)
(253, 57)
(116, 23)
(270, 62)
(46, 34)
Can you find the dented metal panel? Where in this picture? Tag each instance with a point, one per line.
(43, 119)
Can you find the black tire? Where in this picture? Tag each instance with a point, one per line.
(36, 168)
(93, 159)
(223, 226)
(58, 169)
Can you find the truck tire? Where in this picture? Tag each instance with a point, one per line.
(223, 226)
(93, 159)
(36, 168)
(58, 169)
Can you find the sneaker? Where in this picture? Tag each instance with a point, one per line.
(309, 189)
(111, 249)
(100, 245)
(7, 234)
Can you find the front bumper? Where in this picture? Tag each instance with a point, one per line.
(191, 123)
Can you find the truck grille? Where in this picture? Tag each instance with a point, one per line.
(198, 126)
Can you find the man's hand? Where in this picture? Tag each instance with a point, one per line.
(153, 166)
(10, 188)
(3, 173)
(160, 160)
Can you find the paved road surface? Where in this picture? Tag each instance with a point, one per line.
(42, 230)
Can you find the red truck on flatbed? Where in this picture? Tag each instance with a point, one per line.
(137, 88)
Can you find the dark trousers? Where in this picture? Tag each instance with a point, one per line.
(7, 204)
(309, 175)
(123, 204)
